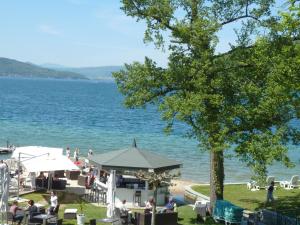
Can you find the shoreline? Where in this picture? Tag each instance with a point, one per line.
(178, 186)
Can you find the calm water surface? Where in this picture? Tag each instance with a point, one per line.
(88, 114)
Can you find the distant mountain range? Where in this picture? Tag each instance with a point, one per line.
(14, 68)
(93, 73)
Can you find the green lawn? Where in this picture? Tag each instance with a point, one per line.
(286, 201)
(186, 215)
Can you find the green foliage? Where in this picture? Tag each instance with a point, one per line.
(244, 98)
(156, 179)
(81, 205)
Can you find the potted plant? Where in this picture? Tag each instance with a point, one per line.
(80, 215)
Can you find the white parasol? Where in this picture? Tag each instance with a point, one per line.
(111, 190)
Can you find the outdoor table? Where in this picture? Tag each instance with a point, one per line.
(108, 220)
(40, 207)
(44, 217)
(201, 208)
(70, 213)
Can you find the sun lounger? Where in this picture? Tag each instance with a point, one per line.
(253, 185)
(293, 183)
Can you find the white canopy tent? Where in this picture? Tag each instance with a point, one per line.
(39, 159)
(28, 151)
(48, 164)
(42, 159)
(111, 191)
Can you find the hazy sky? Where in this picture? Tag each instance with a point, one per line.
(75, 33)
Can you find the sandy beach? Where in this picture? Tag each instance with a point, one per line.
(179, 186)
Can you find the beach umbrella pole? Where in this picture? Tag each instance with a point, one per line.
(19, 165)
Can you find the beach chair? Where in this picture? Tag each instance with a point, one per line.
(293, 183)
(253, 185)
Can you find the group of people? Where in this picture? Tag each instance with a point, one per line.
(169, 207)
(31, 208)
(126, 214)
(76, 153)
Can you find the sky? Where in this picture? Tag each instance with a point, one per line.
(76, 33)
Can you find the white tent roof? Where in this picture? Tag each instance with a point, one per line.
(37, 159)
(29, 151)
(45, 163)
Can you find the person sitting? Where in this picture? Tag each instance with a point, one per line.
(55, 178)
(123, 208)
(31, 209)
(125, 213)
(13, 209)
(170, 206)
(41, 176)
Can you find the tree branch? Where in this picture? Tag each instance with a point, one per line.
(193, 124)
(241, 17)
(158, 19)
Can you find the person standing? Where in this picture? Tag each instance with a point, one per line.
(149, 205)
(90, 153)
(270, 197)
(68, 152)
(76, 155)
(53, 202)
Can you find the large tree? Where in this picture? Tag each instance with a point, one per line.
(243, 99)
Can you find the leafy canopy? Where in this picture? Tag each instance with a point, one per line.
(243, 99)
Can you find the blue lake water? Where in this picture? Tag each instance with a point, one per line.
(89, 114)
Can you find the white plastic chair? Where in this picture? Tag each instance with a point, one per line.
(293, 183)
(253, 185)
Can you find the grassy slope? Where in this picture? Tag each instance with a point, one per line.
(286, 201)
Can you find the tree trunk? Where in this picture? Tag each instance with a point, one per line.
(216, 176)
(154, 206)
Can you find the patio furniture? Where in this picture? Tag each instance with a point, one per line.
(41, 183)
(160, 218)
(72, 174)
(70, 213)
(59, 173)
(59, 184)
(9, 218)
(293, 183)
(105, 220)
(42, 218)
(268, 217)
(57, 222)
(201, 209)
(253, 185)
(249, 217)
(233, 215)
(228, 212)
(82, 180)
